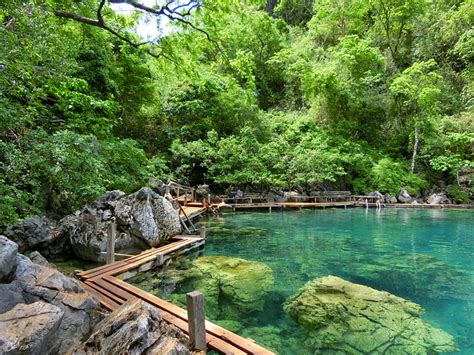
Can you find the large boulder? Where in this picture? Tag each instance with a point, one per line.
(30, 329)
(33, 282)
(143, 219)
(341, 317)
(11, 294)
(231, 286)
(135, 328)
(8, 252)
(148, 216)
(390, 199)
(438, 199)
(202, 191)
(404, 197)
(39, 234)
(87, 234)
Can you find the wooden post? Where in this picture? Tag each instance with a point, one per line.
(196, 320)
(202, 232)
(110, 257)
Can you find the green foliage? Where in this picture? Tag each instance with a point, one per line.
(457, 194)
(319, 94)
(389, 177)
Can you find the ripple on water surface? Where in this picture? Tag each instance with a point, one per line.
(425, 256)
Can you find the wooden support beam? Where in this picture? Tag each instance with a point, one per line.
(110, 257)
(196, 320)
(202, 232)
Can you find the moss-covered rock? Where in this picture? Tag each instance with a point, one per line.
(231, 286)
(339, 316)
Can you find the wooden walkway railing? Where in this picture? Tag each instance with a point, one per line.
(106, 283)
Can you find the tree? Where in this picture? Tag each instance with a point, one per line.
(416, 91)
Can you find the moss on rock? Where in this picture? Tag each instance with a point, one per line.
(341, 316)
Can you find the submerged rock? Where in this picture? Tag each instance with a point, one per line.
(342, 317)
(30, 329)
(417, 275)
(135, 328)
(232, 287)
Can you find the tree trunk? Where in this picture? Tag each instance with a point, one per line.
(415, 148)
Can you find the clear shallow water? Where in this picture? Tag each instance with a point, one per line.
(425, 256)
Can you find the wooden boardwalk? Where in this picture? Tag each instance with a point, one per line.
(106, 283)
(282, 205)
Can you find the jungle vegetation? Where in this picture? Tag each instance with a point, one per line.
(310, 94)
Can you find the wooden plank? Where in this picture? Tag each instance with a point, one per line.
(117, 291)
(104, 301)
(148, 255)
(105, 292)
(134, 264)
(196, 320)
(182, 314)
(134, 257)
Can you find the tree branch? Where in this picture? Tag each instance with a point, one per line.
(172, 13)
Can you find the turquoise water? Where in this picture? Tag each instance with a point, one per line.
(425, 256)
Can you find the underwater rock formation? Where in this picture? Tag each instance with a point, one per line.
(231, 286)
(134, 328)
(417, 275)
(343, 317)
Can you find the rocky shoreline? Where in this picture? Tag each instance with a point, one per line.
(43, 311)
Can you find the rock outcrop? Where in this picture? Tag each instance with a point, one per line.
(438, 199)
(40, 234)
(143, 219)
(135, 328)
(147, 216)
(30, 329)
(53, 304)
(8, 252)
(342, 317)
(404, 197)
(416, 274)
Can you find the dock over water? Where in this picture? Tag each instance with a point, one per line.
(107, 283)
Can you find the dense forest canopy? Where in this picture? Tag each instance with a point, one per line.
(351, 94)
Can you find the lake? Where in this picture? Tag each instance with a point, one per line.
(423, 255)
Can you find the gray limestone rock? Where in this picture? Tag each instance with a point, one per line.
(404, 197)
(30, 329)
(438, 199)
(37, 234)
(148, 216)
(143, 219)
(8, 252)
(79, 309)
(134, 328)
